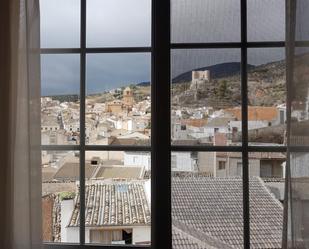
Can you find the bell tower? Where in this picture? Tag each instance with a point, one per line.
(128, 98)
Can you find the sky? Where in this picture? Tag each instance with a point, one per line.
(115, 23)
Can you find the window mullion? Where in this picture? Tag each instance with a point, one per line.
(82, 120)
(244, 118)
(161, 225)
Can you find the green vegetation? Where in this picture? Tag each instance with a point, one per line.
(66, 195)
(222, 89)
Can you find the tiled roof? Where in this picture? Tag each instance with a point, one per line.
(185, 142)
(262, 113)
(213, 206)
(182, 240)
(57, 187)
(48, 173)
(121, 172)
(114, 204)
(130, 141)
(194, 122)
(218, 121)
(70, 171)
(186, 236)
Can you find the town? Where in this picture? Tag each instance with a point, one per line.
(118, 196)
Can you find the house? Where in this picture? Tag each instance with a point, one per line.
(137, 158)
(258, 117)
(208, 213)
(217, 125)
(69, 171)
(184, 161)
(121, 106)
(115, 106)
(70, 124)
(229, 164)
(119, 172)
(49, 123)
(116, 213)
(55, 137)
(179, 131)
(180, 161)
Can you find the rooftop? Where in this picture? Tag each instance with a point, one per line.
(120, 172)
(114, 204)
(262, 113)
(213, 207)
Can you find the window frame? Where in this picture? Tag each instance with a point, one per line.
(161, 148)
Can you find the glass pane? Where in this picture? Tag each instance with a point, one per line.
(207, 200)
(206, 97)
(118, 23)
(266, 20)
(118, 197)
(60, 99)
(299, 133)
(301, 21)
(267, 96)
(298, 201)
(118, 99)
(267, 189)
(60, 183)
(205, 21)
(60, 23)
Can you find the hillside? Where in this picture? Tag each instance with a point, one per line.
(266, 87)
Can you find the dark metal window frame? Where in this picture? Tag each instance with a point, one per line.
(161, 148)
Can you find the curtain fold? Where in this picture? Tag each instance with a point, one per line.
(20, 179)
(296, 223)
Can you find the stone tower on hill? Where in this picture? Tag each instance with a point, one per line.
(199, 78)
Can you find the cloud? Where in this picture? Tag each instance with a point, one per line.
(128, 23)
(60, 74)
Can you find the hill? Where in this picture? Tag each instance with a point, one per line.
(216, 71)
(266, 87)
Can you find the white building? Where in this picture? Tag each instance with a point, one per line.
(184, 161)
(137, 158)
(128, 222)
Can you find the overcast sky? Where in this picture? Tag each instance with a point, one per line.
(112, 23)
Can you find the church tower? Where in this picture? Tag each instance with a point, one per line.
(128, 98)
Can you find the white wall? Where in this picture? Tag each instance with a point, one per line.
(105, 155)
(72, 234)
(68, 234)
(256, 124)
(210, 130)
(206, 161)
(137, 159)
(141, 234)
(184, 162)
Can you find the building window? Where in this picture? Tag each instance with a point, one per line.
(173, 161)
(239, 169)
(222, 165)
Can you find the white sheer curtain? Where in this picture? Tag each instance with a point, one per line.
(296, 230)
(20, 176)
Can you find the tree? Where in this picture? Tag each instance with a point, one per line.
(222, 88)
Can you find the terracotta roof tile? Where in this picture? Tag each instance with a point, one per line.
(114, 204)
(256, 113)
(213, 206)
